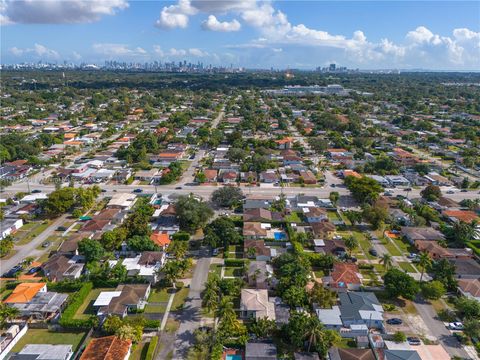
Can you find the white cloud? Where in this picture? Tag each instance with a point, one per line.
(57, 11)
(118, 50)
(213, 24)
(423, 35)
(197, 52)
(38, 51)
(176, 16)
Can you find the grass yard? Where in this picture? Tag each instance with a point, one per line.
(86, 309)
(364, 244)
(139, 351)
(379, 268)
(347, 344)
(333, 216)
(407, 267)
(151, 309)
(179, 299)
(233, 271)
(44, 336)
(215, 269)
(294, 217)
(392, 249)
(55, 241)
(172, 325)
(24, 236)
(403, 245)
(159, 295)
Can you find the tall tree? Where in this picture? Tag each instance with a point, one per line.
(424, 262)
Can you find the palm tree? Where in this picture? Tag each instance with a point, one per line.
(351, 243)
(8, 313)
(424, 262)
(313, 332)
(386, 260)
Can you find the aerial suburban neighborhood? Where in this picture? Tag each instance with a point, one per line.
(239, 215)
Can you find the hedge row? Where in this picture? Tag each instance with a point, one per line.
(66, 286)
(77, 300)
(152, 345)
(234, 262)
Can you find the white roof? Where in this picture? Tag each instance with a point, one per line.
(319, 242)
(266, 226)
(122, 199)
(105, 297)
(306, 204)
(34, 197)
(131, 263)
(47, 351)
(330, 316)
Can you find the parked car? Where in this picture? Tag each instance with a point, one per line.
(215, 252)
(104, 190)
(11, 273)
(178, 188)
(388, 193)
(455, 326)
(137, 190)
(414, 341)
(46, 244)
(450, 192)
(61, 228)
(464, 190)
(412, 256)
(373, 252)
(36, 191)
(407, 189)
(394, 321)
(33, 270)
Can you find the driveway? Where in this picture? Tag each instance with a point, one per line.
(190, 318)
(30, 249)
(438, 329)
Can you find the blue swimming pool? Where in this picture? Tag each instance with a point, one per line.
(280, 236)
(233, 357)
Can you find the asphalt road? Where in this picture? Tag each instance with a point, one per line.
(190, 319)
(438, 329)
(30, 249)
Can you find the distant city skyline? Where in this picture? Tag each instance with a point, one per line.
(431, 35)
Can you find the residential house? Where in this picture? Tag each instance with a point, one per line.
(248, 177)
(107, 348)
(323, 229)
(258, 250)
(308, 177)
(269, 177)
(401, 355)
(336, 353)
(44, 352)
(255, 304)
(260, 351)
(228, 176)
(333, 247)
(145, 265)
(285, 143)
(469, 288)
(261, 215)
(437, 179)
(125, 298)
(25, 292)
(254, 230)
(123, 201)
(305, 356)
(162, 239)
(467, 216)
(358, 312)
(210, 175)
(315, 214)
(436, 252)
(344, 276)
(466, 268)
(9, 226)
(421, 233)
(60, 267)
(70, 246)
(259, 274)
(146, 175)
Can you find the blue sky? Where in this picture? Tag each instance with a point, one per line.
(297, 34)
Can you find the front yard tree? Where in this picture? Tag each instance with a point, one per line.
(227, 196)
(351, 243)
(397, 283)
(433, 290)
(386, 260)
(192, 213)
(111, 324)
(322, 297)
(221, 232)
(91, 249)
(424, 262)
(363, 189)
(431, 192)
(444, 271)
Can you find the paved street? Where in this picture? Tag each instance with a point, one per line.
(190, 319)
(29, 249)
(438, 329)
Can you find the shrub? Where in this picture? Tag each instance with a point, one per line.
(152, 345)
(234, 262)
(446, 315)
(366, 266)
(399, 337)
(388, 307)
(181, 235)
(11, 285)
(75, 301)
(179, 284)
(66, 286)
(151, 324)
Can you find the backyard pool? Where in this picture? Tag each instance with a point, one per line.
(280, 236)
(233, 357)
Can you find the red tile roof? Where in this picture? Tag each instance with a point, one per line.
(107, 348)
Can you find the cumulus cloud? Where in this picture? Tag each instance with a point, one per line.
(118, 50)
(57, 11)
(38, 51)
(213, 24)
(176, 16)
(174, 52)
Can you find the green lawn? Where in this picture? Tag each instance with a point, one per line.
(55, 241)
(233, 271)
(403, 245)
(155, 309)
(407, 267)
(333, 216)
(180, 298)
(391, 248)
(139, 351)
(87, 309)
(44, 336)
(347, 344)
(364, 244)
(294, 217)
(215, 269)
(30, 231)
(159, 295)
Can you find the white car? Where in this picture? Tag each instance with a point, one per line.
(455, 326)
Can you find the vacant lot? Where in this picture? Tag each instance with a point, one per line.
(44, 336)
